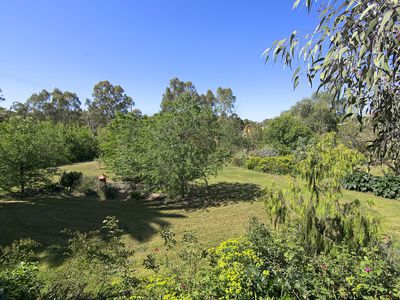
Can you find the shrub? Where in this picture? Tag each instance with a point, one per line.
(297, 273)
(20, 250)
(274, 164)
(81, 143)
(358, 181)
(264, 152)
(387, 186)
(111, 192)
(98, 266)
(20, 282)
(239, 159)
(70, 180)
(89, 186)
(236, 270)
(19, 274)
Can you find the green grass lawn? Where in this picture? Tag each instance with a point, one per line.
(222, 213)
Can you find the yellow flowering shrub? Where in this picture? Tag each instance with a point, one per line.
(163, 286)
(236, 269)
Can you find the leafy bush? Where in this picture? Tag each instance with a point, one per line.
(20, 282)
(274, 164)
(295, 272)
(70, 180)
(387, 186)
(264, 152)
(98, 266)
(21, 250)
(81, 143)
(111, 192)
(358, 181)
(285, 133)
(268, 265)
(89, 186)
(239, 159)
(19, 274)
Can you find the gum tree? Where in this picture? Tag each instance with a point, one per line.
(353, 53)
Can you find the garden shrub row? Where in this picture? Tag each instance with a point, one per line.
(262, 265)
(387, 186)
(270, 164)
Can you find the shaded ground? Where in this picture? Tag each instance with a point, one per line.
(216, 213)
(44, 218)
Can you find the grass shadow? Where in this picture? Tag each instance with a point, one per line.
(218, 194)
(44, 218)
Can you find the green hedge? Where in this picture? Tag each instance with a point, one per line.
(273, 164)
(387, 186)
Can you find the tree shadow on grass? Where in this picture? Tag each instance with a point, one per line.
(44, 218)
(219, 194)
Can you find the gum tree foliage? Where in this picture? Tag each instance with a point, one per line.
(28, 148)
(353, 53)
(3, 111)
(108, 101)
(222, 104)
(57, 106)
(177, 88)
(317, 112)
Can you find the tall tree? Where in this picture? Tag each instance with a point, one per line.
(317, 112)
(3, 111)
(1, 96)
(108, 101)
(183, 145)
(28, 148)
(354, 54)
(57, 106)
(225, 101)
(168, 150)
(175, 89)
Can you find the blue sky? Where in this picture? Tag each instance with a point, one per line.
(140, 45)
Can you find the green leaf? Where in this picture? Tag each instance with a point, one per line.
(371, 6)
(385, 19)
(296, 4)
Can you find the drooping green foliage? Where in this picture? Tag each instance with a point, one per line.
(28, 151)
(353, 53)
(285, 133)
(322, 219)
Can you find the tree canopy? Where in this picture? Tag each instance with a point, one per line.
(28, 148)
(354, 54)
(108, 101)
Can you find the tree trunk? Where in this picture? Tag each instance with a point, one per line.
(21, 180)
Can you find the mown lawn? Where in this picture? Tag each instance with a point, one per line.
(222, 213)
